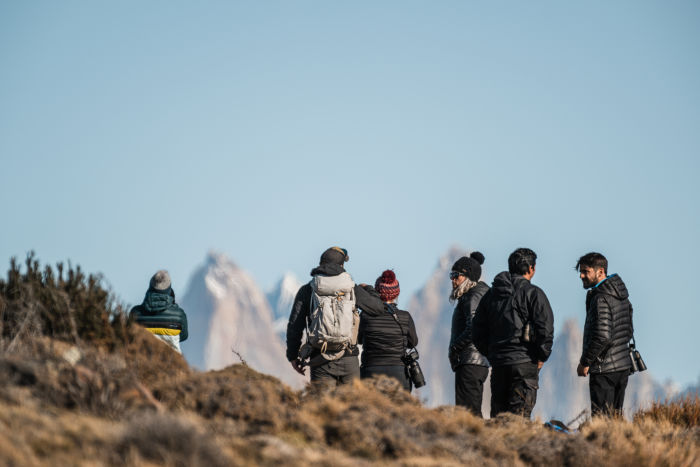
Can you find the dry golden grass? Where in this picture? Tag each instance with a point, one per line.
(237, 416)
(684, 412)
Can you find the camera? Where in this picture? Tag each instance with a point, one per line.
(636, 358)
(414, 371)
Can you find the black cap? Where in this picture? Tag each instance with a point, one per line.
(470, 265)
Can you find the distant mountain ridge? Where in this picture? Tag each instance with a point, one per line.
(281, 297)
(230, 319)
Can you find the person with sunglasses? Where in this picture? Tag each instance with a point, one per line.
(471, 367)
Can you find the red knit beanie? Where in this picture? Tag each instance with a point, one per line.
(387, 286)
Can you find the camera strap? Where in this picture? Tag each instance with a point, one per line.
(392, 311)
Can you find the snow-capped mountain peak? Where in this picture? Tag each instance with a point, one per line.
(281, 297)
(232, 318)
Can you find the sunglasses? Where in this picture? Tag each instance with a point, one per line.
(455, 274)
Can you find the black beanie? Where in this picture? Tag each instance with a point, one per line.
(334, 255)
(470, 265)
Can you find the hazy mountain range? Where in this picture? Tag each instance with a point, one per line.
(231, 318)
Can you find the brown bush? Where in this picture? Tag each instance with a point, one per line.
(57, 374)
(237, 392)
(73, 308)
(167, 439)
(150, 359)
(684, 412)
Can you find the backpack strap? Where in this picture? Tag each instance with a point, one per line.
(311, 309)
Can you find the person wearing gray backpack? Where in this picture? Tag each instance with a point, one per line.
(327, 309)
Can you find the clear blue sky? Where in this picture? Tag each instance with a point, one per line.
(138, 135)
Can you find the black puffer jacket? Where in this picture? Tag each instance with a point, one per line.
(497, 327)
(366, 299)
(608, 328)
(462, 350)
(383, 341)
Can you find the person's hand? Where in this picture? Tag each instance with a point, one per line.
(582, 370)
(298, 367)
(539, 365)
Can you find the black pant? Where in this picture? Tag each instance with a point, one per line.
(331, 374)
(469, 386)
(394, 371)
(514, 389)
(608, 392)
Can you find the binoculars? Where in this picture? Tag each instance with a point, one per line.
(636, 358)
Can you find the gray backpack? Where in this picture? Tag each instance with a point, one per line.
(334, 319)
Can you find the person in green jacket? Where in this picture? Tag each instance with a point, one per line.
(160, 314)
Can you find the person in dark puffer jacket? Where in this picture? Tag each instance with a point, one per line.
(514, 327)
(384, 341)
(160, 314)
(606, 336)
(470, 366)
(326, 375)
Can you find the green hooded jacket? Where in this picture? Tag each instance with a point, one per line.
(160, 314)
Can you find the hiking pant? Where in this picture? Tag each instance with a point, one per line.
(393, 371)
(514, 388)
(331, 374)
(469, 386)
(608, 392)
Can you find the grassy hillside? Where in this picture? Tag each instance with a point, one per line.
(82, 386)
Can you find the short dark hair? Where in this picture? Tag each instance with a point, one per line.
(520, 260)
(592, 260)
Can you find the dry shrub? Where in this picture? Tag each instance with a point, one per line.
(91, 379)
(684, 412)
(645, 442)
(151, 360)
(54, 437)
(170, 440)
(237, 392)
(60, 375)
(65, 339)
(361, 419)
(71, 307)
(61, 437)
(376, 419)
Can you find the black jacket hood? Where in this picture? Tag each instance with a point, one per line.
(505, 283)
(328, 269)
(613, 286)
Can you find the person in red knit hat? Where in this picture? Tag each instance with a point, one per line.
(386, 337)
